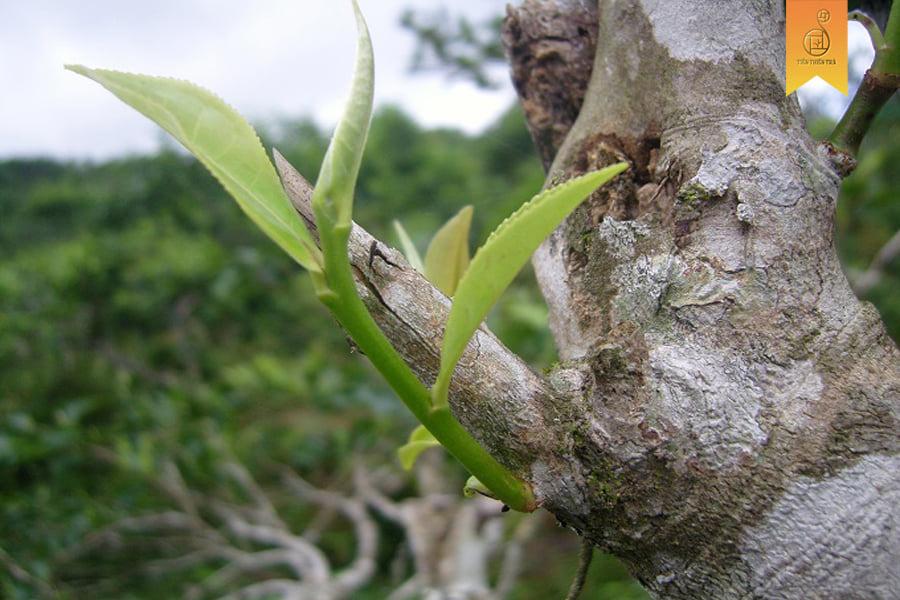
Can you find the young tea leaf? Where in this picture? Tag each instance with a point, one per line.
(419, 440)
(226, 145)
(409, 249)
(340, 167)
(497, 262)
(447, 257)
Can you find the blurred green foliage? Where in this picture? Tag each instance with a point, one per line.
(141, 312)
(868, 211)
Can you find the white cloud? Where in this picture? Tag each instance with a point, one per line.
(272, 58)
(269, 59)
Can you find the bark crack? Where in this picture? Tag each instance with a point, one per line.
(495, 395)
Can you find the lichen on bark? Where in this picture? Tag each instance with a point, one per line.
(722, 361)
(722, 393)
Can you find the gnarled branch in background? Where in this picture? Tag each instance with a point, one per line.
(40, 587)
(452, 541)
(256, 553)
(248, 543)
(865, 281)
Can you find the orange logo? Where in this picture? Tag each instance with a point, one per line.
(811, 48)
(816, 41)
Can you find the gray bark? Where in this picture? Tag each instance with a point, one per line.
(724, 418)
(737, 432)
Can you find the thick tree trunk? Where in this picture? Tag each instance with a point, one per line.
(733, 406)
(725, 415)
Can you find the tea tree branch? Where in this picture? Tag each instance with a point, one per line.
(878, 85)
(352, 312)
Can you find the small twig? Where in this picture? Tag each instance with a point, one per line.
(241, 476)
(310, 560)
(878, 85)
(242, 563)
(864, 282)
(17, 571)
(319, 523)
(383, 505)
(871, 26)
(408, 589)
(153, 529)
(172, 483)
(278, 588)
(362, 567)
(167, 566)
(584, 563)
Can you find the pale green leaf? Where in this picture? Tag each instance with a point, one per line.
(226, 145)
(409, 249)
(340, 167)
(419, 440)
(497, 262)
(473, 486)
(447, 257)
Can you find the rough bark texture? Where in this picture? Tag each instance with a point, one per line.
(724, 418)
(734, 429)
(494, 393)
(555, 45)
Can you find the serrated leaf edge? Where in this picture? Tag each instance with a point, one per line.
(208, 162)
(441, 386)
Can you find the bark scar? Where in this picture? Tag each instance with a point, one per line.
(370, 285)
(375, 251)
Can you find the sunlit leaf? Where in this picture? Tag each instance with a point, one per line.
(497, 262)
(409, 249)
(340, 167)
(447, 257)
(224, 142)
(419, 440)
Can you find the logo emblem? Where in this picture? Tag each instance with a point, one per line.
(816, 41)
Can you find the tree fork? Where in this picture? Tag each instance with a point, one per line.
(735, 405)
(724, 418)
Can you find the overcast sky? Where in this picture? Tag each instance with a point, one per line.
(270, 59)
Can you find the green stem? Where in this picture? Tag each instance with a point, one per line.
(887, 59)
(878, 85)
(871, 26)
(344, 302)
